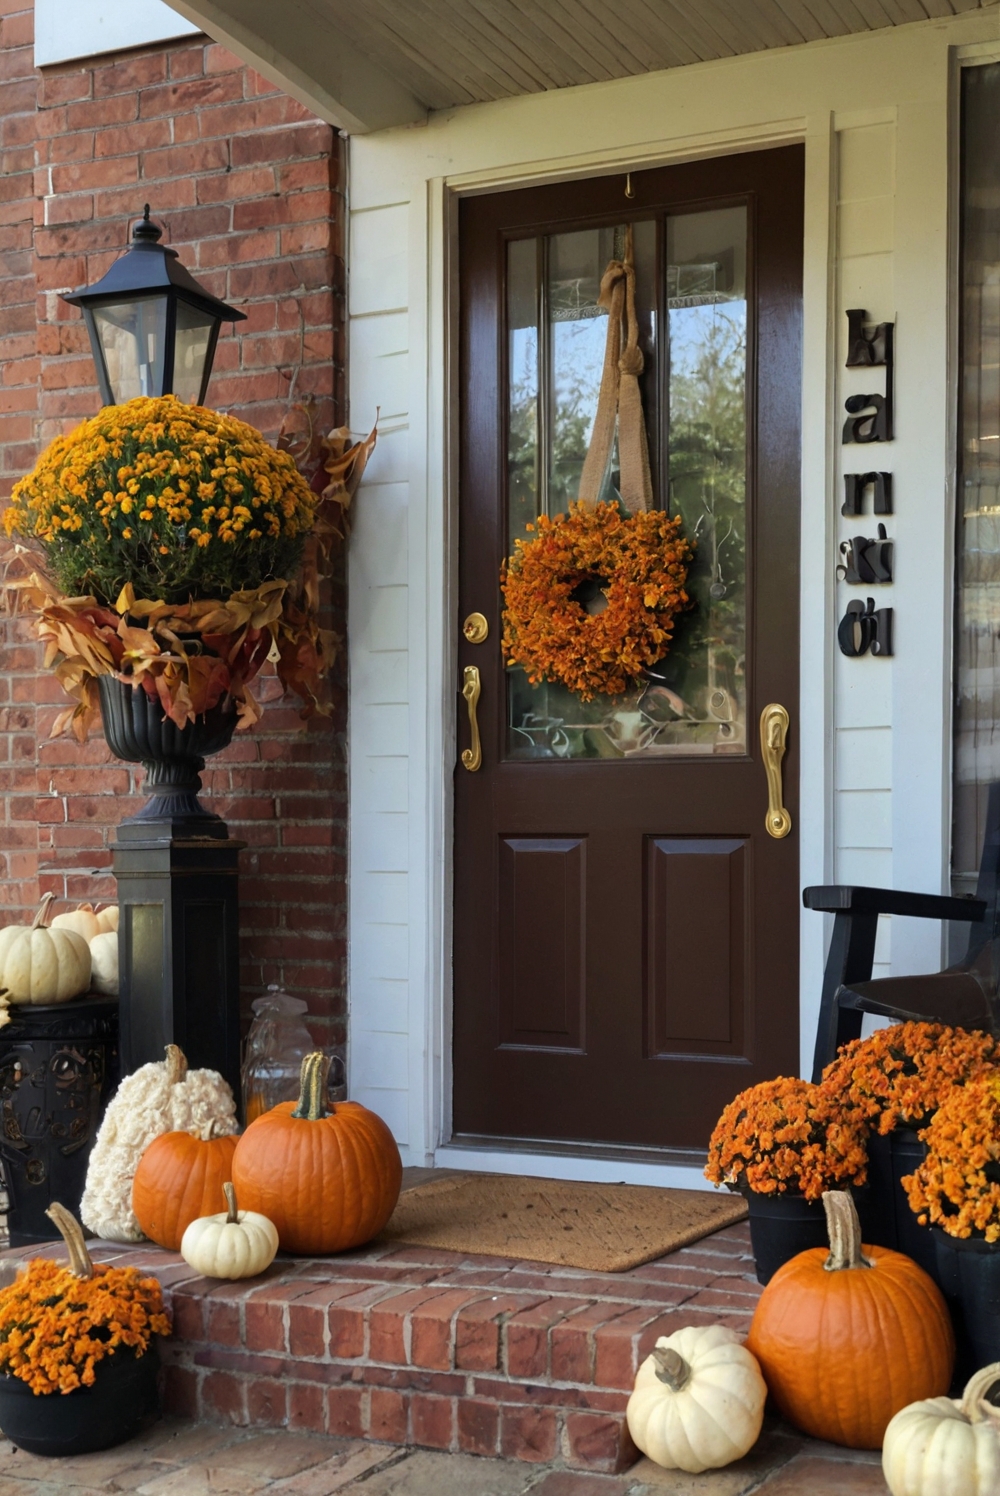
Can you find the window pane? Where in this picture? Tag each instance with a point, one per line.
(694, 700)
(191, 339)
(133, 336)
(977, 701)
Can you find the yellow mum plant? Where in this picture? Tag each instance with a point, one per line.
(178, 550)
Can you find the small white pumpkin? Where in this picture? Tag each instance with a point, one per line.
(698, 1402)
(940, 1447)
(39, 965)
(88, 921)
(236, 1244)
(104, 963)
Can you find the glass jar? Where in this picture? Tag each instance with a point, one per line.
(273, 1052)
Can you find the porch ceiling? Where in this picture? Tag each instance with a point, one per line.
(378, 63)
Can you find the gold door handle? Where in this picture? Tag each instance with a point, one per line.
(773, 733)
(472, 757)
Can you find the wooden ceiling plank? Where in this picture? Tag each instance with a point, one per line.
(428, 81)
(738, 31)
(558, 63)
(652, 53)
(827, 17)
(768, 33)
(431, 35)
(872, 12)
(854, 17)
(503, 43)
(593, 68)
(600, 38)
(690, 19)
(789, 29)
(653, 15)
(803, 19)
(902, 12)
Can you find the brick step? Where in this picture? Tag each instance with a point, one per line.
(405, 1345)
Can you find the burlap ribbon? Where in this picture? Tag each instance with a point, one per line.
(619, 402)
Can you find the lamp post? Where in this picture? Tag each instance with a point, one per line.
(153, 331)
(153, 328)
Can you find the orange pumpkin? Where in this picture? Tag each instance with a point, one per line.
(329, 1180)
(178, 1180)
(846, 1340)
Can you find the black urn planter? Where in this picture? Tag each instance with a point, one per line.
(124, 1395)
(969, 1275)
(886, 1217)
(781, 1226)
(138, 731)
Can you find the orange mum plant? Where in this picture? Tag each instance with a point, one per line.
(957, 1187)
(899, 1076)
(57, 1322)
(640, 562)
(786, 1136)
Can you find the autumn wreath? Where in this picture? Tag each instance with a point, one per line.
(639, 562)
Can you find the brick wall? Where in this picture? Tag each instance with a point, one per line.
(248, 187)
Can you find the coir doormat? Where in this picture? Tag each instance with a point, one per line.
(603, 1228)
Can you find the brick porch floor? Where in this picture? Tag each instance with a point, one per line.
(409, 1349)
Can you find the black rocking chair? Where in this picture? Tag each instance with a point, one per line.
(965, 995)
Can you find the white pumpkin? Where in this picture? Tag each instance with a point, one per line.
(163, 1096)
(940, 1447)
(104, 963)
(698, 1402)
(235, 1244)
(39, 965)
(82, 919)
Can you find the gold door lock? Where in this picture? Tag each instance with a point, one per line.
(773, 735)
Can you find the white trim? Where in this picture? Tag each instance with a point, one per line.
(570, 1166)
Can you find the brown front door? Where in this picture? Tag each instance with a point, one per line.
(626, 952)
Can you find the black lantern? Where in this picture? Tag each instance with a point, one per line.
(152, 328)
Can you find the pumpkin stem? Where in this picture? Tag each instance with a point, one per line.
(69, 1228)
(41, 919)
(229, 1190)
(312, 1079)
(975, 1406)
(844, 1230)
(177, 1065)
(671, 1367)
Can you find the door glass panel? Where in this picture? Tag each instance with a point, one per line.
(977, 643)
(694, 391)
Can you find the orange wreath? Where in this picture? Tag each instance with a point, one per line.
(639, 561)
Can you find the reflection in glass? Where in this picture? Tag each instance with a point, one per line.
(192, 337)
(133, 337)
(694, 700)
(977, 643)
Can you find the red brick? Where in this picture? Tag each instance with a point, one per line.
(572, 1348)
(528, 1433)
(478, 1426)
(348, 1322)
(526, 1336)
(223, 1322)
(180, 1391)
(432, 1421)
(265, 1326)
(389, 1327)
(432, 1329)
(306, 1407)
(599, 1443)
(389, 1417)
(616, 1348)
(307, 1327)
(187, 1316)
(222, 1398)
(267, 1403)
(345, 1412)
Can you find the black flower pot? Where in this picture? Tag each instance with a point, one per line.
(969, 1275)
(138, 731)
(782, 1226)
(124, 1394)
(886, 1217)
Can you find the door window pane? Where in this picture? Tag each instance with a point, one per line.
(977, 663)
(691, 283)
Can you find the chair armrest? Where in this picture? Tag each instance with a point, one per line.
(842, 898)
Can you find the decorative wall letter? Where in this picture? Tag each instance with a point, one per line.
(865, 560)
(869, 349)
(865, 627)
(855, 486)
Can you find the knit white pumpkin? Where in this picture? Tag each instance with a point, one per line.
(163, 1096)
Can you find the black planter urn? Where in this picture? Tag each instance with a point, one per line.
(138, 731)
(969, 1275)
(177, 870)
(125, 1393)
(782, 1226)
